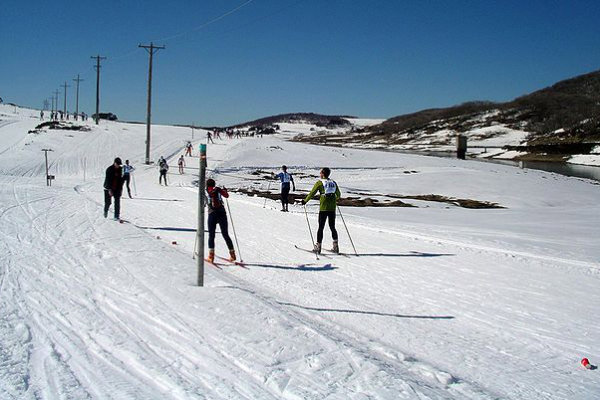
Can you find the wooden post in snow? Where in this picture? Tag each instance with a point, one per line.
(200, 230)
(461, 147)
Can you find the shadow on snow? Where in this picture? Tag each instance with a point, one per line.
(299, 267)
(338, 310)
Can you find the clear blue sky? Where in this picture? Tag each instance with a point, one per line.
(368, 58)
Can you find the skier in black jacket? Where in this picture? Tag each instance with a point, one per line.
(113, 187)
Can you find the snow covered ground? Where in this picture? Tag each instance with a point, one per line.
(587, 159)
(442, 302)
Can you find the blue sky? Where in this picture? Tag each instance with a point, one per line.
(367, 58)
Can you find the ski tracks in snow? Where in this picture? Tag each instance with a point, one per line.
(346, 363)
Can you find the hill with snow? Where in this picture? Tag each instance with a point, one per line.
(558, 123)
(439, 301)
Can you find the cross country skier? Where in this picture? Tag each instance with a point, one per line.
(217, 215)
(188, 149)
(163, 167)
(181, 163)
(285, 179)
(113, 187)
(127, 170)
(329, 195)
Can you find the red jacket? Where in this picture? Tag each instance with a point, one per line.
(215, 198)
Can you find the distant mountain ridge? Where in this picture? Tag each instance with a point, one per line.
(310, 118)
(566, 111)
(551, 124)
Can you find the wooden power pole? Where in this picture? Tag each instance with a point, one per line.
(56, 93)
(98, 58)
(77, 96)
(151, 49)
(65, 86)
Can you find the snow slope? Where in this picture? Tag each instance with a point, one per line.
(443, 302)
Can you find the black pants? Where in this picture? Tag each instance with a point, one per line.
(323, 216)
(126, 178)
(117, 196)
(285, 191)
(220, 218)
(163, 173)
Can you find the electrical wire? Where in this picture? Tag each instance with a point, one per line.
(212, 21)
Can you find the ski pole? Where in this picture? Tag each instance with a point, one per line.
(312, 239)
(233, 228)
(345, 226)
(195, 248)
(268, 188)
(133, 181)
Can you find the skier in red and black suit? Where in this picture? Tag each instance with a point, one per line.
(113, 187)
(217, 215)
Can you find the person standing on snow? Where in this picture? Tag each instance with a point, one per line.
(217, 216)
(127, 170)
(285, 179)
(163, 167)
(188, 149)
(113, 187)
(181, 163)
(329, 195)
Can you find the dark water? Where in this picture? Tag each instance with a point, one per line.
(579, 171)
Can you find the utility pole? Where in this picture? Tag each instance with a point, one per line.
(48, 177)
(65, 103)
(151, 50)
(98, 58)
(77, 97)
(56, 93)
(52, 103)
(46, 104)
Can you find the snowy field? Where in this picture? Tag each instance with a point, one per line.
(443, 302)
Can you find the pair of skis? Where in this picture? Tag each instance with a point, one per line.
(325, 252)
(224, 262)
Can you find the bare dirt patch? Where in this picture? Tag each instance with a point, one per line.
(367, 199)
(59, 125)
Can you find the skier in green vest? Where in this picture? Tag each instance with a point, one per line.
(329, 195)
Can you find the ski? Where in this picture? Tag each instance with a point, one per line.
(238, 263)
(214, 264)
(312, 252)
(333, 253)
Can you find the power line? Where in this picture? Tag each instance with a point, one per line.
(212, 21)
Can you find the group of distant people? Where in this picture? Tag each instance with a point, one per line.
(229, 134)
(56, 115)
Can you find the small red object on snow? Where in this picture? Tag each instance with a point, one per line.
(173, 242)
(586, 363)
(158, 237)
